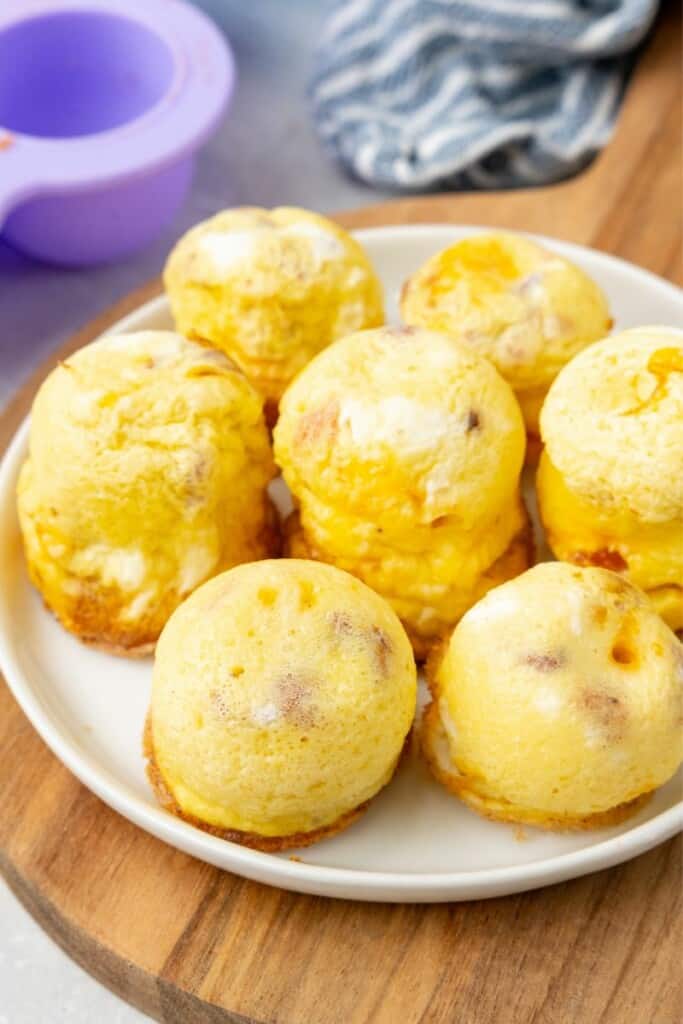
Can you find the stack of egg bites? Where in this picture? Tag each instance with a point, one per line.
(284, 688)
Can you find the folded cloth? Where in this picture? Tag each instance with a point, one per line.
(472, 93)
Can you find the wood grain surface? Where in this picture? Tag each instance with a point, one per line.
(193, 945)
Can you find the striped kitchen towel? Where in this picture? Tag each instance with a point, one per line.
(472, 93)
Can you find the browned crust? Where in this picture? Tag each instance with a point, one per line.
(603, 558)
(93, 617)
(271, 412)
(83, 618)
(459, 786)
(432, 665)
(255, 841)
(534, 447)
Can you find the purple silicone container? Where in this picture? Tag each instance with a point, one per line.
(103, 104)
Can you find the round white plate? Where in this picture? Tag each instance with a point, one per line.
(416, 843)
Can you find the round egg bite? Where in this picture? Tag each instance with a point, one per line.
(403, 449)
(283, 695)
(557, 701)
(147, 470)
(526, 309)
(610, 481)
(271, 288)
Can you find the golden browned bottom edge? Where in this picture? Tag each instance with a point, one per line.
(143, 640)
(457, 785)
(254, 840)
(100, 643)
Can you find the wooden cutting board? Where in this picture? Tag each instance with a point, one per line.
(193, 945)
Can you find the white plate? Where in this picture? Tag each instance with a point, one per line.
(416, 843)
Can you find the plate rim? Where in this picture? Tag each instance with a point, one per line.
(340, 882)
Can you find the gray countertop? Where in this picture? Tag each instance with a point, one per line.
(265, 153)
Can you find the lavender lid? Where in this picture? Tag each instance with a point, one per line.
(141, 86)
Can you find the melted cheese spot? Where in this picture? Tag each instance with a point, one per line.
(593, 736)
(531, 288)
(122, 567)
(548, 702)
(323, 245)
(266, 714)
(396, 421)
(138, 605)
(498, 604)
(575, 602)
(229, 249)
(439, 482)
(196, 566)
(552, 326)
(85, 404)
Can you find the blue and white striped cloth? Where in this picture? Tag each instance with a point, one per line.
(472, 93)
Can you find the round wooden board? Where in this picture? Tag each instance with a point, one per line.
(188, 943)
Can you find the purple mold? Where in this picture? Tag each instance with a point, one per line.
(103, 104)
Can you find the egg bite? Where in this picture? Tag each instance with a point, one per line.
(283, 694)
(557, 701)
(271, 288)
(147, 470)
(610, 481)
(403, 449)
(525, 308)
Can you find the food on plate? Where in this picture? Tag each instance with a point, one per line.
(527, 309)
(283, 694)
(148, 464)
(610, 481)
(557, 701)
(403, 449)
(271, 288)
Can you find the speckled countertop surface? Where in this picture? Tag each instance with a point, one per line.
(264, 153)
